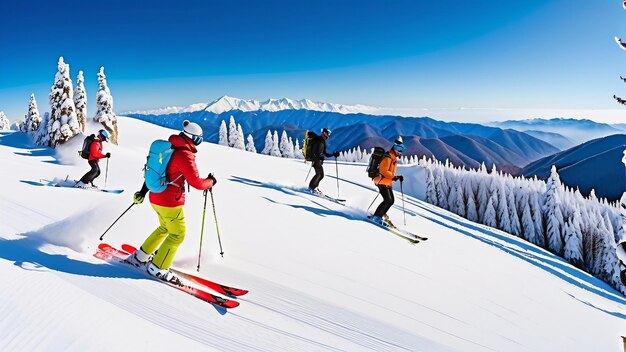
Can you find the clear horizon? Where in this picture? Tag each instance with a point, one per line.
(471, 62)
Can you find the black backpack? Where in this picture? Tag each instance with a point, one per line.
(85, 151)
(310, 139)
(377, 156)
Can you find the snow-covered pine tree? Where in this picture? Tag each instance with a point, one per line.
(285, 147)
(490, 218)
(516, 226)
(223, 135)
(80, 101)
(63, 123)
(552, 213)
(483, 195)
(42, 136)
(573, 241)
(250, 145)
(239, 143)
(504, 219)
(269, 143)
(275, 151)
(232, 132)
(297, 151)
(527, 224)
(460, 201)
(431, 192)
(472, 213)
(33, 119)
(4, 122)
(104, 106)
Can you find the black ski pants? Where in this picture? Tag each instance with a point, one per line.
(388, 200)
(319, 174)
(91, 174)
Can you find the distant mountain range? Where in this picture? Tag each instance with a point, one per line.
(593, 165)
(563, 133)
(226, 103)
(461, 143)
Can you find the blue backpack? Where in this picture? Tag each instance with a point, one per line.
(154, 171)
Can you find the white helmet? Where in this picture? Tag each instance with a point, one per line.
(193, 131)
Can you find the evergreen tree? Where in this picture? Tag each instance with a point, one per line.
(269, 143)
(233, 135)
(239, 143)
(483, 195)
(573, 241)
(63, 123)
(42, 135)
(4, 122)
(459, 201)
(527, 223)
(250, 145)
(504, 219)
(553, 214)
(297, 150)
(537, 215)
(285, 146)
(104, 105)
(33, 119)
(516, 226)
(431, 192)
(80, 101)
(275, 150)
(490, 213)
(223, 134)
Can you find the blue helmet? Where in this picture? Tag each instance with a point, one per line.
(398, 145)
(104, 135)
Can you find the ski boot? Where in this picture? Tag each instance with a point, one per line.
(164, 275)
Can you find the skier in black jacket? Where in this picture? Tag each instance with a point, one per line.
(318, 152)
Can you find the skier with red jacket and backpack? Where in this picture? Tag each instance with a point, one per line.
(384, 180)
(92, 151)
(159, 249)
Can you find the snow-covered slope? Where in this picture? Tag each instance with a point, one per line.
(227, 103)
(320, 279)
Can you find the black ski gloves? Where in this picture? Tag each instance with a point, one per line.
(401, 178)
(108, 155)
(212, 178)
(336, 154)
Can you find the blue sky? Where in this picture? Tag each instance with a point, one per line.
(494, 59)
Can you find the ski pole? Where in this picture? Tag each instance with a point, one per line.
(308, 173)
(403, 209)
(377, 194)
(202, 228)
(101, 237)
(106, 174)
(337, 172)
(216, 227)
(372, 203)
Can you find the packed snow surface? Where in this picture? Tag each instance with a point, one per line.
(320, 278)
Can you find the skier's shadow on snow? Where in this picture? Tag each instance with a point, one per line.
(320, 210)
(533, 255)
(25, 254)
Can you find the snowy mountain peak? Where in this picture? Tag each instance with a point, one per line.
(227, 103)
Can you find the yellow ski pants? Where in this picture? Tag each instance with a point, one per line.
(167, 237)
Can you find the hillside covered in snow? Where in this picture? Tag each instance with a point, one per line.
(320, 276)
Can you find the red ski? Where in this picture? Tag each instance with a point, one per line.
(223, 289)
(108, 252)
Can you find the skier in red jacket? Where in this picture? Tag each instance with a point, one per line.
(168, 204)
(95, 154)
